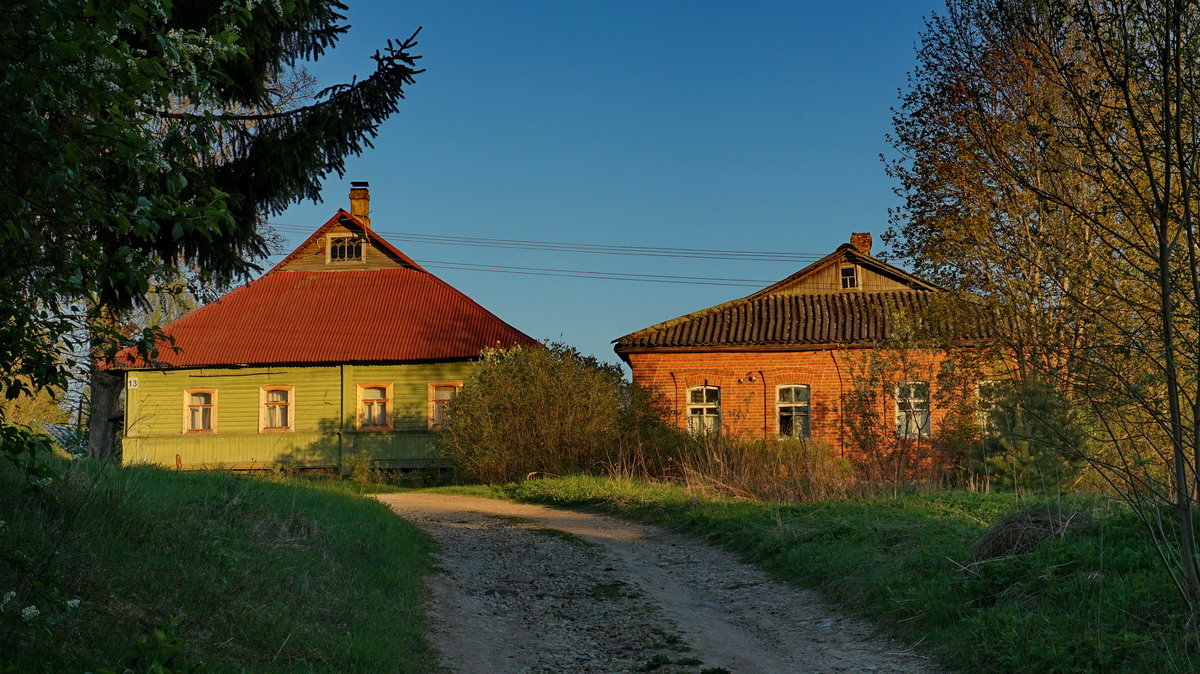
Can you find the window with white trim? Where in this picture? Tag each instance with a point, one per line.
(912, 409)
(200, 410)
(849, 275)
(440, 395)
(275, 405)
(374, 407)
(344, 248)
(792, 411)
(704, 409)
(988, 393)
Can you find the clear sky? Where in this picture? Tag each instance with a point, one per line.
(717, 125)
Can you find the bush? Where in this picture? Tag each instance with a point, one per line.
(551, 410)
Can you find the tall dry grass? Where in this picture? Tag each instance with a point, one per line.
(783, 470)
(763, 469)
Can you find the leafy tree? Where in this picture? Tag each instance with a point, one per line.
(130, 159)
(967, 221)
(1075, 122)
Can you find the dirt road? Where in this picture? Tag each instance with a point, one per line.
(525, 588)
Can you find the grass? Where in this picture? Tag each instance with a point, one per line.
(1093, 600)
(207, 571)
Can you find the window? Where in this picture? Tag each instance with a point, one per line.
(792, 407)
(912, 409)
(345, 248)
(276, 404)
(988, 394)
(849, 277)
(200, 410)
(440, 395)
(375, 406)
(704, 409)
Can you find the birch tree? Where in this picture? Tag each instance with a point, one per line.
(1070, 138)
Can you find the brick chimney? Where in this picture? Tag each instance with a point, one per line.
(360, 202)
(861, 241)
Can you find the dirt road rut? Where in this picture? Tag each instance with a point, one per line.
(525, 588)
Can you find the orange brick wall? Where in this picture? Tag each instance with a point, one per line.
(748, 380)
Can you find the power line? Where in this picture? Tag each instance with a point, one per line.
(610, 276)
(595, 249)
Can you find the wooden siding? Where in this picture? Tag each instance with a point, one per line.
(324, 410)
(829, 280)
(312, 256)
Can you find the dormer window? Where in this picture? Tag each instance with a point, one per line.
(849, 277)
(345, 249)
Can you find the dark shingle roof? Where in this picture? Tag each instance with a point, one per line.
(833, 318)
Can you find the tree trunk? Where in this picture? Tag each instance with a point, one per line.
(103, 414)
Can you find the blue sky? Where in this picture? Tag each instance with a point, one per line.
(745, 126)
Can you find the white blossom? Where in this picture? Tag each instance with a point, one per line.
(30, 612)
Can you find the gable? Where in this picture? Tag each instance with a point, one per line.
(316, 254)
(809, 307)
(313, 309)
(825, 276)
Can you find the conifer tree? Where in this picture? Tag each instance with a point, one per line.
(138, 138)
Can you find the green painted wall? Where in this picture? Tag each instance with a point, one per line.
(324, 406)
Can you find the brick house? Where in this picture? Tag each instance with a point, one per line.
(781, 361)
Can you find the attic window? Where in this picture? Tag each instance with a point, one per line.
(345, 249)
(849, 277)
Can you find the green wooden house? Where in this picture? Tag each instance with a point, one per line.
(346, 345)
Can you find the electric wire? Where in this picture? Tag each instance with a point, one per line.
(610, 276)
(605, 249)
(589, 248)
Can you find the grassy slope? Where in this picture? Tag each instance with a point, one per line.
(258, 575)
(1092, 601)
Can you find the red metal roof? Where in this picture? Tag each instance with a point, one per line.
(295, 317)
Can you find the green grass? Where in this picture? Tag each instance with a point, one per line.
(1094, 600)
(207, 571)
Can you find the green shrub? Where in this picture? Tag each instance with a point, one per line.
(363, 468)
(551, 410)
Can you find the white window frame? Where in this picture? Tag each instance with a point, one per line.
(852, 277)
(708, 412)
(264, 404)
(352, 238)
(985, 405)
(909, 422)
(187, 411)
(434, 423)
(805, 430)
(389, 409)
